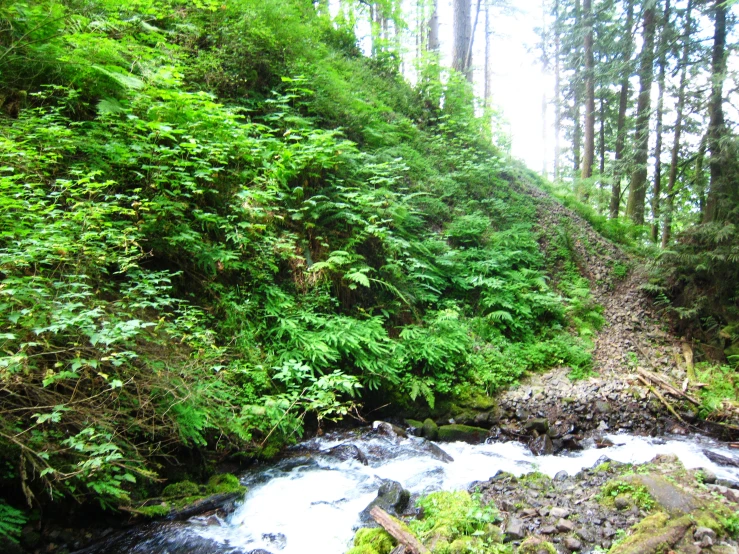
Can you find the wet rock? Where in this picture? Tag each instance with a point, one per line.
(388, 429)
(541, 446)
(437, 452)
(548, 530)
(346, 452)
(540, 425)
(514, 530)
(572, 544)
(276, 540)
(602, 407)
(720, 459)
(430, 430)
(414, 426)
(464, 433)
(561, 475)
(391, 497)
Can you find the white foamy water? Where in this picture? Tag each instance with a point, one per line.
(311, 504)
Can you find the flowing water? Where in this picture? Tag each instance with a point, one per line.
(310, 502)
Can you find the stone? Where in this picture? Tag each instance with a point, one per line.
(558, 512)
(572, 544)
(346, 452)
(391, 497)
(621, 502)
(706, 542)
(565, 526)
(388, 429)
(602, 407)
(514, 530)
(673, 499)
(463, 433)
(701, 532)
(540, 425)
(707, 476)
(541, 446)
(436, 452)
(430, 430)
(561, 475)
(548, 530)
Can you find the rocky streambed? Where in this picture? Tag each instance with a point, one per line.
(313, 500)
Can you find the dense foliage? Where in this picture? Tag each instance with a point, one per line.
(220, 219)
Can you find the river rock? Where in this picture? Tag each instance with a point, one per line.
(514, 530)
(720, 459)
(701, 532)
(565, 526)
(430, 430)
(347, 451)
(464, 433)
(561, 475)
(388, 429)
(541, 446)
(391, 497)
(436, 452)
(558, 512)
(540, 425)
(572, 544)
(673, 499)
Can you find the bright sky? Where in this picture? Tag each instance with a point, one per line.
(519, 82)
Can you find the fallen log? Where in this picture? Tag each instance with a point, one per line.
(717, 458)
(398, 531)
(663, 383)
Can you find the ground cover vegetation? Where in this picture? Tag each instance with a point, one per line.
(221, 222)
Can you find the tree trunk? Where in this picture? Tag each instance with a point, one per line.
(468, 59)
(623, 103)
(638, 188)
(488, 58)
(557, 91)
(434, 42)
(672, 179)
(602, 137)
(577, 130)
(663, 45)
(719, 187)
(462, 36)
(589, 147)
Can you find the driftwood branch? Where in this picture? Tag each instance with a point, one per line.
(398, 532)
(663, 383)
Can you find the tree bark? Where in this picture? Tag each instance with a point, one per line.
(577, 98)
(468, 59)
(672, 179)
(557, 91)
(462, 37)
(663, 45)
(397, 531)
(638, 188)
(718, 186)
(434, 42)
(488, 58)
(623, 103)
(589, 146)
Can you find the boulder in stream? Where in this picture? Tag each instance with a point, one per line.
(347, 451)
(388, 429)
(391, 497)
(464, 433)
(541, 446)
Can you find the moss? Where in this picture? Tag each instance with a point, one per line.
(183, 488)
(655, 533)
(364, 549)
(373, 541)
(536, 545)
(605, 466)
(224, 483)
(451, 433)
(636, 494)
(155, 511)
(466, 544)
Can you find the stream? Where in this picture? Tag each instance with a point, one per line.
(310, 501)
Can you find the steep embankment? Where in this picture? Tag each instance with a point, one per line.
(639, 365)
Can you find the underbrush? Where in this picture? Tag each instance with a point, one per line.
(205, 245)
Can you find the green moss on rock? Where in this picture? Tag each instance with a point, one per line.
(536, 545)
(183, 488)
(224, 483)
(372, 541)
(465, 433)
